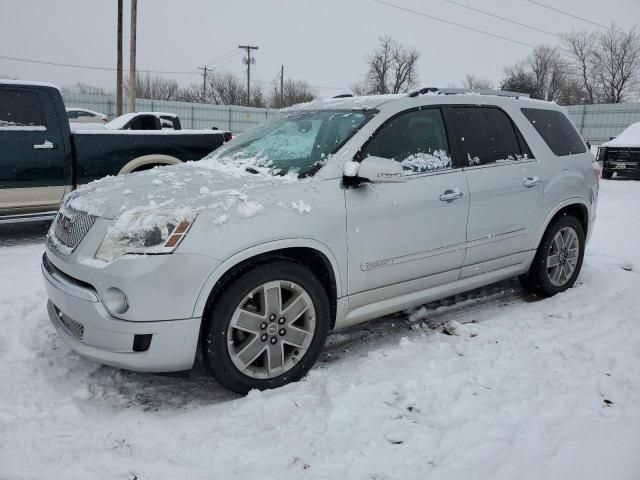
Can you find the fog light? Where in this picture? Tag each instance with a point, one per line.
(141, 343)
(115, 300)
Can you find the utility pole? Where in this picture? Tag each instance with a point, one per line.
(204, 82)
(248, 60)
(119, 63)
(133, 79)
(282, 86)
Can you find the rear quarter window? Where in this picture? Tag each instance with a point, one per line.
(556, 130)
(21, 110)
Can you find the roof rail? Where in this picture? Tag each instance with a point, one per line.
(458, 91)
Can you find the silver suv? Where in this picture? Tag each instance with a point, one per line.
(334, 213)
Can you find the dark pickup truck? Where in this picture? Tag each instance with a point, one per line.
(41, 159)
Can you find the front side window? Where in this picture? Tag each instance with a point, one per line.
(417, 139)
(21, 109)
(556, 130)
(296, 142)
(485, 135)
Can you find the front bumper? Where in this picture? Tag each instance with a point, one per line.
(85, 325)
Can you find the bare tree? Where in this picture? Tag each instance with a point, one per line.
(228, 89)
(155, 87)
(293, 92)
(392, 68)
(549, 72)
(618, 61)
(81, 88)
(580, 50)
(472, 82)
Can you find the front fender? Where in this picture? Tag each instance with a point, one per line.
(260, 249)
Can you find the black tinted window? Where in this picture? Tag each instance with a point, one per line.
(21, 109)
(556, 130)
(484, 135)
(416, 139)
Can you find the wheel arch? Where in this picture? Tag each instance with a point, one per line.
(148, 161)
(314, 255)
(576, 207)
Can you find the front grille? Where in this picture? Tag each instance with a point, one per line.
(74, 328)
(72, 225)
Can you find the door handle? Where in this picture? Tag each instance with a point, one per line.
(451, 195)
(531, 182)
(46, 145)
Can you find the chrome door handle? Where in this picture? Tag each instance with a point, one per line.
(46, 145)
(451, 195)
(530, 182)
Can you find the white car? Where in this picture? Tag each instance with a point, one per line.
(82, 115)
(333, 213)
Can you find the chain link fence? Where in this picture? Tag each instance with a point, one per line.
(192, 115)
(596, 123)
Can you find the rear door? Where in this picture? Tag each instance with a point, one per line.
(34, 163)
(504, 187)
(405, 237)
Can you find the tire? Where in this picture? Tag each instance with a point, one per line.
(542, 279)
(249, 318)
(607, 174)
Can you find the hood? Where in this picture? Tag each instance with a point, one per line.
(203, 185)
(630, 137)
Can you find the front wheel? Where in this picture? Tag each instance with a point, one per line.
(558, 260)
(267, 328)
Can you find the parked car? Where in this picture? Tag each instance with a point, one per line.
(334, 213)
(41, 159)
(621, 155)
(82, 115)
(145, 121)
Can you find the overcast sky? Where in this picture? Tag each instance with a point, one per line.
(321, 41)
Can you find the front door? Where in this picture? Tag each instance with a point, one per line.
(405, 237)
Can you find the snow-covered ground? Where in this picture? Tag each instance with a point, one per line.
(523, 389)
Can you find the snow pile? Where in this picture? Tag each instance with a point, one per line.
(523, 389)
(630, 137)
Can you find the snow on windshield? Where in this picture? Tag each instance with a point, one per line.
(297, 142)
(630, 137)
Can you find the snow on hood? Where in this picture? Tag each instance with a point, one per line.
(630, 137)
(206, 185)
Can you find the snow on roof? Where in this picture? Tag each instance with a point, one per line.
(630, 137)
(76, 109)
(119, 122)
(4, 81)
(346, 103)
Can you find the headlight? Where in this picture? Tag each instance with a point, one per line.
(146, 231)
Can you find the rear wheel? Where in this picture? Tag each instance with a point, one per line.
(558, 260)
(268, 327)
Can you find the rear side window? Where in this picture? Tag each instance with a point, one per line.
(21, 109)
(485, 135)
(417, 139)
(556, 130)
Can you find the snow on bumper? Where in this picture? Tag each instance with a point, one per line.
(86, 326)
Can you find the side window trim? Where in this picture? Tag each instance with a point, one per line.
(358, 157)
(456, 153)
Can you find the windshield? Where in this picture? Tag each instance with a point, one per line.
(297, 142)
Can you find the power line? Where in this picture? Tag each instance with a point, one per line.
(531, 27)
(449, 22)
(567, 14)
(594, 12)
(87, 67)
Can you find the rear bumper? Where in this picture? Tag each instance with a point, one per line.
(85, 325)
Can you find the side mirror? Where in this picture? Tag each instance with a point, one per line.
(381, 170)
